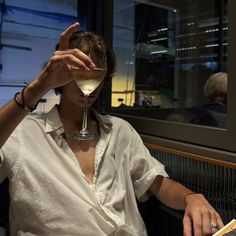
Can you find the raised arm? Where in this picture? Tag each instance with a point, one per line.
(55, 74)
(12, 114)
(199, 217)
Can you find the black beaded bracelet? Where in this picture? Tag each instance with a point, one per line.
(23, 105)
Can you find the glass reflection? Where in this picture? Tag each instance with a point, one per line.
(166, 53)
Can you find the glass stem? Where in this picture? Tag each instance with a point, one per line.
(85, 118)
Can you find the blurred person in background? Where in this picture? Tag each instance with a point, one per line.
(215, 90)
(214, 112)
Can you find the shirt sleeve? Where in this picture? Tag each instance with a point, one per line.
(144, 167)
(9, 155)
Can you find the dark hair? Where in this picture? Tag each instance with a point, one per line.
(85, 39)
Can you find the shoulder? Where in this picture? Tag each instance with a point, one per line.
(121, 130)
(32, 120)
(50, 118)
(117, 122)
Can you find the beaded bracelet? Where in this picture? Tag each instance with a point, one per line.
(23, 105)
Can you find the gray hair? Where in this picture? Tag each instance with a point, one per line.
(215, 88)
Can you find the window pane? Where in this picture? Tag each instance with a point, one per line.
(166, 51)
(29, 32)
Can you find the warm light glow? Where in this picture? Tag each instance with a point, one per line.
(122, 88)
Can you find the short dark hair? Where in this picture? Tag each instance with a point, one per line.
(82, 40)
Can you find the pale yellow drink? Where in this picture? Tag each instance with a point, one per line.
(88, 81)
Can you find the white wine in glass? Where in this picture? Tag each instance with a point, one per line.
(87, 81)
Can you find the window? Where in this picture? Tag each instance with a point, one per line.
(166, 51)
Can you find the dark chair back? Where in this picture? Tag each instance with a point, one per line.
(4, 205)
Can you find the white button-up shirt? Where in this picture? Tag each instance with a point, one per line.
(50, 195)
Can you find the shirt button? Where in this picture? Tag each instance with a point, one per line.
(100, 198)
(102, 201)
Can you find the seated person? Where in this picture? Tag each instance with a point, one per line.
(214, 112)
(60, 186)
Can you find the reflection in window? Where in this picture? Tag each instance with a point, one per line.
(166, 52)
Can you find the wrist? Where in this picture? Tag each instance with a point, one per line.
(22, 102)
(188, 196)
(34, 92)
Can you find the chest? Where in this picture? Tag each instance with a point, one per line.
(84, 151)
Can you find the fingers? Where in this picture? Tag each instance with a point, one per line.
(219, 221)
(73, 57)
(187, 224)
(65, 36)
(214, 223)
(202, 223)
(206, 221)
(197, 224)
(201, 217)
(76, 58)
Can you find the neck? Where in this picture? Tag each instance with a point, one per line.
(70, 111)
(71, 115)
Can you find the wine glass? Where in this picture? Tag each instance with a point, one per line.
(88, 81)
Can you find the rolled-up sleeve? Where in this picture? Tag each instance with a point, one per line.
(144, 167)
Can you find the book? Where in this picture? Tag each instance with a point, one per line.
(228, 230)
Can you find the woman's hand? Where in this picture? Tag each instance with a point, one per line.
(55, 74)
(200, 217)
(57, 71)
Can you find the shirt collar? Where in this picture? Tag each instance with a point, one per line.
(54, 124)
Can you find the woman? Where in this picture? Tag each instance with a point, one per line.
(62, 186)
